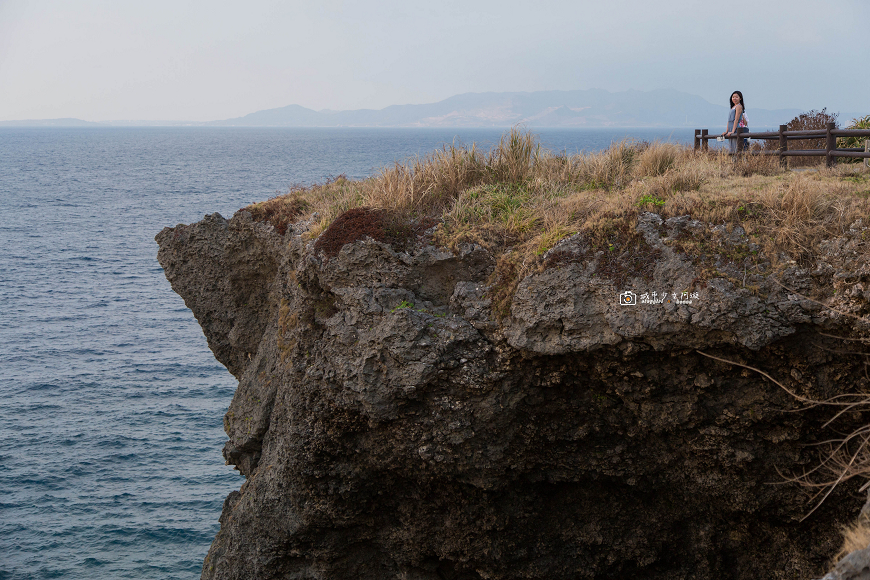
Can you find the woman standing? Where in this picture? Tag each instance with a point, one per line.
(737, 122)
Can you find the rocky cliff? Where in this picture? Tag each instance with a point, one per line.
(392, 423)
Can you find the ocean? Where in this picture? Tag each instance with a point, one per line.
(112, 404)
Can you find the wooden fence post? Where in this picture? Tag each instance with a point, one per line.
(783, 146)
(739, 141)
(830, 145)
(697, 139)
(867, 150)
(706, 145)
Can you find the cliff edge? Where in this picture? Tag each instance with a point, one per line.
(391, 423)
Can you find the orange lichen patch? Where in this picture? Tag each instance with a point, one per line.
(279, 211)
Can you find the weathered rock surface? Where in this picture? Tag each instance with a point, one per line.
(854, 566)
(390, 426)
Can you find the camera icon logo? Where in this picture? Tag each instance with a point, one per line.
(628, 298)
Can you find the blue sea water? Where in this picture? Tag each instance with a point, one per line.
(112, 404)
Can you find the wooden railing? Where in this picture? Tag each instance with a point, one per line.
(829, 134)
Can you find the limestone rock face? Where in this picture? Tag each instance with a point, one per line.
(854, 566)
(392, 424)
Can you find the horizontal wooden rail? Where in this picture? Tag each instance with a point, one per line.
(851, 132)
(829, 134)
(762, 135)
(852, 154)
(803, 135)
(804, 153)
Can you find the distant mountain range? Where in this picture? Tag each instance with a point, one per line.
(541, 109)
(589, 108)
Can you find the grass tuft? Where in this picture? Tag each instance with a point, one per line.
(855, 537)
(658, 158)
(279, 211)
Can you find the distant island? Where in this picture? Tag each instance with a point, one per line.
(592, 108)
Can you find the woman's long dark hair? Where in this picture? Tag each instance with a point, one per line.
(739, 94)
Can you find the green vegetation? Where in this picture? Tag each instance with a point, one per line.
(403, 304)
(647, 198)
(852, 142)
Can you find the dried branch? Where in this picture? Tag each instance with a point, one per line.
(838, 461)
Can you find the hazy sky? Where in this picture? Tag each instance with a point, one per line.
(204, 60)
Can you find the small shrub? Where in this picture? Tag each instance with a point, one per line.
(361, 222)
(805, 122)
(853, 142)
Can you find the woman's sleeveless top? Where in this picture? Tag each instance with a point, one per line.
(731, 115)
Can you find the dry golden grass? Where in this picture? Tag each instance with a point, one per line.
(279, 211)
(658, 158)
(523, 198)
(855, 537)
